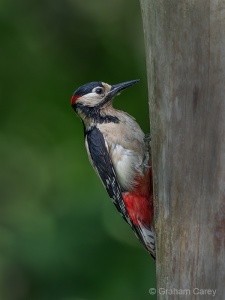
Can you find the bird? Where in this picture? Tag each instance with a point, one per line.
(119, 151)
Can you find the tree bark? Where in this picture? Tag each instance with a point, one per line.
(185, 52)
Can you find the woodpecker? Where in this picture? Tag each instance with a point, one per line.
(119, 153)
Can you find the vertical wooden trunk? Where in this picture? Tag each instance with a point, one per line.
(185, 51)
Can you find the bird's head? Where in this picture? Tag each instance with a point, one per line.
(90, 98)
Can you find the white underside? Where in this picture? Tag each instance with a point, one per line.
(126, 164)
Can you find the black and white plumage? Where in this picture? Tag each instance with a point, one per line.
(99, 157)
(117, 150)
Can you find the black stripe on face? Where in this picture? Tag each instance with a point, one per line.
(91, 112)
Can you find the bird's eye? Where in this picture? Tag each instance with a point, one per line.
(99, 90)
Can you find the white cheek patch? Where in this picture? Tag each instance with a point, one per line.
(91, 99)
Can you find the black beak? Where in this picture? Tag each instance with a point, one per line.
(115, 90)
(118, 88)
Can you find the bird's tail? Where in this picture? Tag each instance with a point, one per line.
(148, 238)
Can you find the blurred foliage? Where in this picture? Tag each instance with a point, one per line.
(60, 236)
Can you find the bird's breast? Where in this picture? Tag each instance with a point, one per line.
(125, 143)
(126, 164)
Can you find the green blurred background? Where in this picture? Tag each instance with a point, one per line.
(60, 236)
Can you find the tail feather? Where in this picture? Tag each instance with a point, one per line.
(148, 237)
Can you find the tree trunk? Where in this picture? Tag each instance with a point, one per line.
(185, 50)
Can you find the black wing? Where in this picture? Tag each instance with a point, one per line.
(101, 161)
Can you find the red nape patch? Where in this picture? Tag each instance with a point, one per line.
(74, 99)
